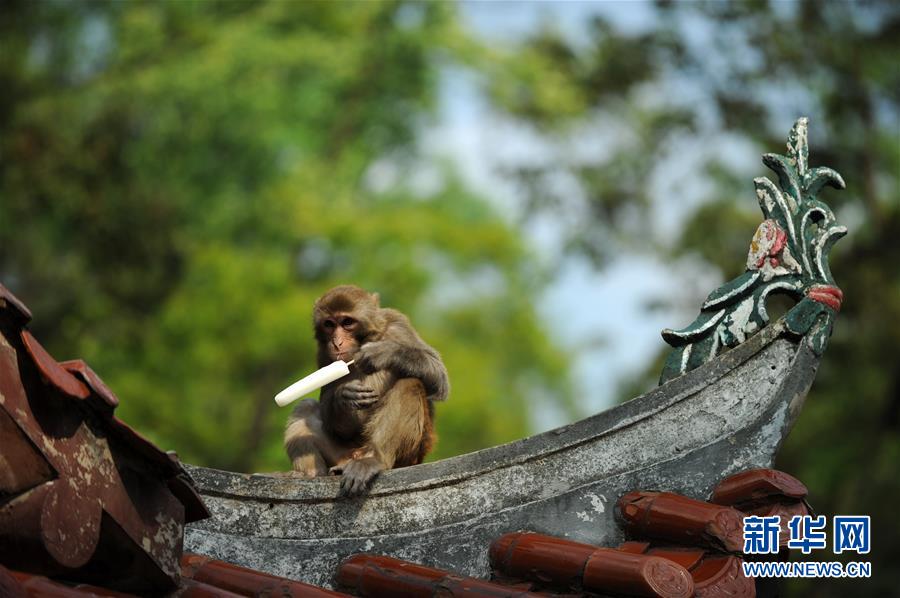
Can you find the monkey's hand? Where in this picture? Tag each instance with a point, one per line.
(377, 356)
(357, 394)
(357, 475)
(409, 358)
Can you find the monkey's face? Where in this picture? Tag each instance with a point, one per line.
(340, 334)
(344, 319)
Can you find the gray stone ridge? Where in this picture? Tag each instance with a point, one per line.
(730, 414)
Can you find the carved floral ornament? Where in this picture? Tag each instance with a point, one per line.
(788, 255)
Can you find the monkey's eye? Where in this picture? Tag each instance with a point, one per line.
(348, 323)
(328, 324)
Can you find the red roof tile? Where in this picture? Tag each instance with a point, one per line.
(765, 492)
(246, 582)
(382, 576)
(21, 312)
(51, 371)
(573, 566)
(82, 370)
(681, 520)
(714, 574)
(719, 576)
(756, 486)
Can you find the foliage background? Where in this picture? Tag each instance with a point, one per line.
(180, 180)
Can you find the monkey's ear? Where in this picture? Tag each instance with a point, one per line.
(376, 298)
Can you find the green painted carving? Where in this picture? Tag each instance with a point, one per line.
(788, 255)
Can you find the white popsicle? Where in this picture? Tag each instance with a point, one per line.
(314, 381)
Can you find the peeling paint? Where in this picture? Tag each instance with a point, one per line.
(597, 502)
(168, 533)
(49, 447)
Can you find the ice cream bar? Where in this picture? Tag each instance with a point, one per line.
(314, 381)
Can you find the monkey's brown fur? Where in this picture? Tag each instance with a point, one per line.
(380, 416)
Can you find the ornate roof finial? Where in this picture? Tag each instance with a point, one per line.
(788, 255)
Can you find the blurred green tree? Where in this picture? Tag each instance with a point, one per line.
(180, 180)
(739, 74)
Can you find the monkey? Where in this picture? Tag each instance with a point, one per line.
(381, 415)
